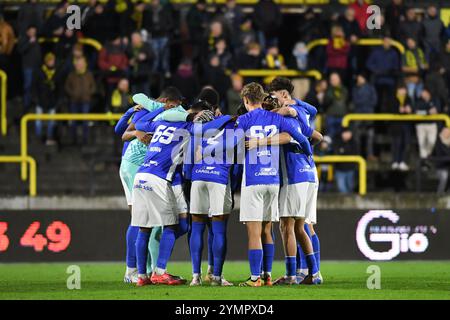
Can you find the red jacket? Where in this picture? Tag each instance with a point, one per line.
(113, 63)
(337, 55)
(361, 14)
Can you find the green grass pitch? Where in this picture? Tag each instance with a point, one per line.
(342, 280)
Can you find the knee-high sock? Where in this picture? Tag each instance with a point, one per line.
(316, 247)
(165, 247)
(312, 265)
(153, 248)
(268, 252)
(301, 260)
(142, 251)
(183, 227)
(196, 245)
(131, 237)
(255, 257)
(210, 246)
(219, 229)
(290, 266)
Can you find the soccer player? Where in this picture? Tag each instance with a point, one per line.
(154, 200)
(132, 158)
(298, 195)
(261, 178)
(211, 196)
(131, 271)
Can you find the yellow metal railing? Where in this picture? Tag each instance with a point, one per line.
(362, 167)
(55, 117)
(32, 163)
(86, 41)
(279, 73)
(361, 42)
(393, 117)
(3, 89)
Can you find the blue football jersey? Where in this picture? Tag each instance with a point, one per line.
(214, 155)
(298, 167)
(261, 165)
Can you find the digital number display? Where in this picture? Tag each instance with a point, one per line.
(56, 239)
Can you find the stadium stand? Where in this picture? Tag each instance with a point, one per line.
(337, 63)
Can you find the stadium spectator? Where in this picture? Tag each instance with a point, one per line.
(232, 15)
(273, 58)
(245, 35)
(80, 87)
(87, 11)
(350, 25)
(437, 84)
(120, 97)
(400, 131)
(345, 172)
(444, 60)
(316, 95)
(310, 26)
(140, 57)
(364, 98)
(414, 63)
(47, 95)
(384, 64)
(224, 54)
(267, 18)
(300, 53)
(101, 24)
(65, 44)
(394, 14)
(336, 105)
(361, 15)
(30, 50)
(31, 13)
(113, 64)
(426, 131)
(186, 80)
(338, 49)
(158, 22)
(215, 76)
(7, 42)
(54, 26)
(442, 153)
(197, 20)
(324, 149)
(234, 94)
(410, 28)
(214, 34)
(433, 32)
(251, 58)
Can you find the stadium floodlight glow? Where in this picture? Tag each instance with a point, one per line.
(398, 237)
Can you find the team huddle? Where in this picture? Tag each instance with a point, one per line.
(180, 169)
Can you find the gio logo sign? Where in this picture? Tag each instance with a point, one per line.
(400, 237)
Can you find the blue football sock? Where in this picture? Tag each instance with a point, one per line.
(312, 265)
(183, 227)
(219, 229)
(306, 227)
(166, 245)
(301, 260)
(316, 247)
(142, 251)
(268, 253)
(132, 233)
(255, 257)
(196, 245)
(291, 266)
(210, 246)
